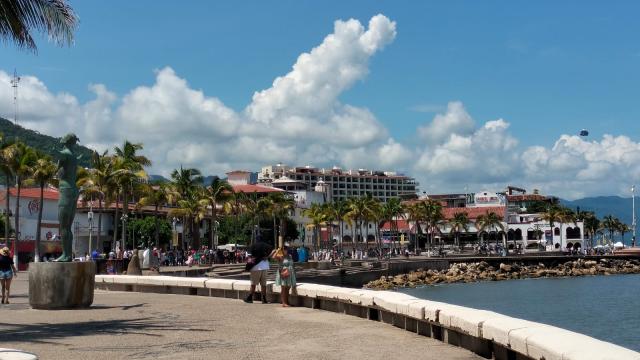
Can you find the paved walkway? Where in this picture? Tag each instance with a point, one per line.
(151, 326)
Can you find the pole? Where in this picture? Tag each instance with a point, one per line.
(633, 219)
(90, 218)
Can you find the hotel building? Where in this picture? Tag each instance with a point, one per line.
(340, 184)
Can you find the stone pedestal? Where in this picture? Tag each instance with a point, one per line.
(61, 285)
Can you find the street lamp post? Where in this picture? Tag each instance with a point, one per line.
(90, 219)
(175, 232)
(124, 219)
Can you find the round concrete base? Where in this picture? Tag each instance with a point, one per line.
(61, 285)
(11, 354)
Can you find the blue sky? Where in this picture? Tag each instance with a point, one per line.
(547, 68)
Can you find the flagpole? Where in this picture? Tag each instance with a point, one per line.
(633, 219)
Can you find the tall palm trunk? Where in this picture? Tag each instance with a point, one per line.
(7, 209)
(341, 233)
(17, 220)
(195, 233)
(213, 217)
(275, 237)
(156, 232)
(125, 210)
(353, 237)
(330, 237)
(116, 221)
(36, 254)
(99, 223)
(283, 231)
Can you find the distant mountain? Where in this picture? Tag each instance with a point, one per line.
(157, 178)
(45, 143)
(206, 181)
(209, 179)
(604, 205)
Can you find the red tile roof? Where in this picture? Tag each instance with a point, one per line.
(249, 188)
(473, 212)
(403, 225)
(31, 193)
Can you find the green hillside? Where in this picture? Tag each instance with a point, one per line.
(604, 205)
(45, 143)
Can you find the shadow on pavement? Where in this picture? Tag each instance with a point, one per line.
(46, 332)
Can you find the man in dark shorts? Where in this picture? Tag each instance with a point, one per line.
(258, 267)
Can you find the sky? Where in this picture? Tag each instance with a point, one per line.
(458, 94)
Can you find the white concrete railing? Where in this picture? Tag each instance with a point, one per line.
(485, 332)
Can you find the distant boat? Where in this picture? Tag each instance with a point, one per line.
(584, 132)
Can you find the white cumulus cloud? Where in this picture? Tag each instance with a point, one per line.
(455, 120)
(298, 119)
(301, 120)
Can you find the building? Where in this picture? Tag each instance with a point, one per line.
(342, 184)
(28, 222)
(522, 227)
(241, 182)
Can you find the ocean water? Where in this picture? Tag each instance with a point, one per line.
(604, 307)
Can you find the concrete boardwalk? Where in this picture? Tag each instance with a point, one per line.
(156, 326)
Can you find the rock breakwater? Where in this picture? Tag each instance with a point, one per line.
(483, 271)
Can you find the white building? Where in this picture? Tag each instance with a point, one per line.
(522, 228)
(342, 185)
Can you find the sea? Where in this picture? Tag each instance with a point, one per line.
(604, 307)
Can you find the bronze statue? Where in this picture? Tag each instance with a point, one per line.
(67, 171)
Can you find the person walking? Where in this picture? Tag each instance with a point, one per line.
(285, 276)
(258, 265)
(7, 272)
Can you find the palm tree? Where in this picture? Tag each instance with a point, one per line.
(623, 229)
(194, 210)
(43, 173)
(256, 209)
(102, 184)
(6, 155)
(157, 195)
(591, 225)
(552, 215)
(359, 209)
(610, 224)
(129, 168)
(281, 206)
(378, 216)
(414, 214)
(459, 223)
(21, 161)
(186, 180)
(393, 209)
(489, 220)
(218, 191)
(338, 211)
(188, 183)
(18, 18)
(432, 216)
(318, 216)
(565, 216)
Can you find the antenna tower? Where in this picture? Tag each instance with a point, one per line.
(14, 84)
